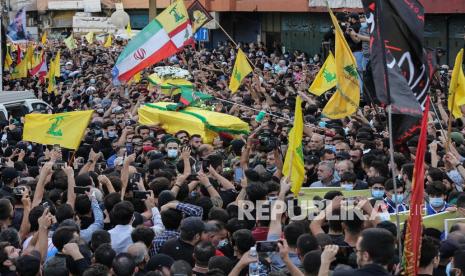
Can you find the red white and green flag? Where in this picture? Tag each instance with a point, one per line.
(40, 69)
(167, 34)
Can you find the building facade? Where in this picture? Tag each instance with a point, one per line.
(295, 24)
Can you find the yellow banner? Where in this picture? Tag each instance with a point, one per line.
(57, 60)
(294, 161)
(65, 129)
(312, 193)
(70, 42)
(241, 70)
(457, 87)
(108, 42)
(173, 16)
(346, 99)
(326, 77)
(89, 37)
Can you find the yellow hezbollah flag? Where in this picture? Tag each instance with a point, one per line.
(57, 60)
(173, 16)
(326, 77)
(129, 30)
(44, 38)
(37, 59)
(108, 42)
(51, 77)
(457, 87)
(346, 99)
(20, 71)
(70, 42)
(241, 70)
(29, 57)
(8, 60)
(90, 37)
(294, 161)
(65, 129)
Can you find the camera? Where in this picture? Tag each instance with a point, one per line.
(18, 192)
(267, 141)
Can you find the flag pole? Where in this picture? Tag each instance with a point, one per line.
(379, 24)
(449, 123)
(234, 42)
(437, 116)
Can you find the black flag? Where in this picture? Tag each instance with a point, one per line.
(400, 70)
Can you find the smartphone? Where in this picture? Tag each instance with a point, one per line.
(129, 148)
(58, 165)
(136, 177)
(141, 194)
(267, 246)
(81, 190)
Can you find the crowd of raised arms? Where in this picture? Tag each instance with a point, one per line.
(136, 200)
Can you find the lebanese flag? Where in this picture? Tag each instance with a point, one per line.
(166, 35)
(40, 69)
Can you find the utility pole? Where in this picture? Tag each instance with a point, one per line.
(152, 9)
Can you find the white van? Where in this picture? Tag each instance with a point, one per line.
(20, 103)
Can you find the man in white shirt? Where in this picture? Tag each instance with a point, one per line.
(122, 216)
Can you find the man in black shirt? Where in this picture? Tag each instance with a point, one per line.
(182, 248)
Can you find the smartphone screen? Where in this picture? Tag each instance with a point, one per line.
(267, 246)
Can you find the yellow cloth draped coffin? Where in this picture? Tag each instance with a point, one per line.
(191, 119)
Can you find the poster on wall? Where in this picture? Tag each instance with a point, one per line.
(16, 31)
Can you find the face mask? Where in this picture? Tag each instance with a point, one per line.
(271, 169)
(330, 147)
(112, 134)
(346, 130)
(322, 124)
(29, 147)
(436, 201)
(172, 153)
(377, 194)
(398, 198)
(384, 216)
(347, 187)
(364, 24)
(448, 269)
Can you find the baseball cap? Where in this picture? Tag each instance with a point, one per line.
(9, 174)
(343, 155)
(457, 137)
(158, 261)
(192, 225)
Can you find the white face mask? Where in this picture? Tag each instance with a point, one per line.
(172, 153)
(384, 216)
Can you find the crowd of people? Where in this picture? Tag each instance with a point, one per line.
(136, 200)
